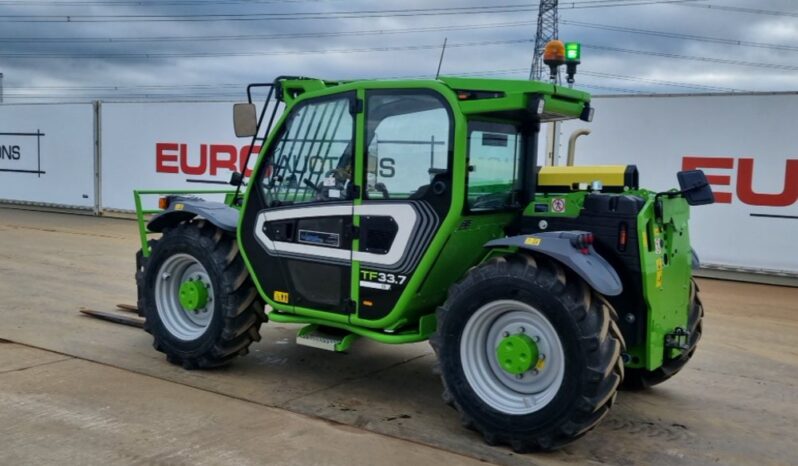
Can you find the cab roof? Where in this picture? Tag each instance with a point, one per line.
(513, 98)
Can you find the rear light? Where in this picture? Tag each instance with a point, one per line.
(582, 242)
(163, 203)
(623, 236)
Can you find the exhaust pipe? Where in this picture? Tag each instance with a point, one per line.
(572, 144)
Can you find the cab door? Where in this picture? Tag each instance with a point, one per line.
(407, 192)
(297, 227)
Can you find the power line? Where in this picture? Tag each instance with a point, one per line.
(413, 12)
(314, 35)
(777, 66)
(659, 81)
(139, 55)
(675, 35)
(68, 3)
(737, 9)
(507, 71)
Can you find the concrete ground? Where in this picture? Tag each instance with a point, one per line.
(79, 390)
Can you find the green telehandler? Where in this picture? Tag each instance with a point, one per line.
(409, 210)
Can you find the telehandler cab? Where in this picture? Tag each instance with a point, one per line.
(407, 210)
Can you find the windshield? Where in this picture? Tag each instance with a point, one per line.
(494, 165)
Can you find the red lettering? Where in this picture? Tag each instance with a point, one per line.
(197, 169)
(697, 163)
(162, 157)
(171, 157)
(218, 162)
(745, 186)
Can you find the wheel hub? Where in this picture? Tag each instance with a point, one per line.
(517, 353)
(193, 295)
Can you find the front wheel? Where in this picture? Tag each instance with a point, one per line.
(199, 302)
(528, 354)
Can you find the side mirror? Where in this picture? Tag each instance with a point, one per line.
(695, 187)
(245, 120)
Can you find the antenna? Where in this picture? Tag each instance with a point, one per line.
(440, 62)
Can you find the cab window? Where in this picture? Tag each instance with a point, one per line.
(407, 143)
(494, 165)
(312, 158)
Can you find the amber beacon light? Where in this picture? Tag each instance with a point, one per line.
(554, 57)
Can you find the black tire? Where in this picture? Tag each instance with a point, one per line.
(590, 338)
(641, 379)
(238, 311)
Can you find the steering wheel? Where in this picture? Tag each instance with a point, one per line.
(384, 190)
(312, 186)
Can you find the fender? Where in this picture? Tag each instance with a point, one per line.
(594, 269)
(185, 208)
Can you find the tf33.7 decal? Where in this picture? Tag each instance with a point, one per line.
(381, 280)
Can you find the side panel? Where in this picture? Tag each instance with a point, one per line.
(653, 258)
(47, 155)
(296, 228)
(666, 257)
(160, 145)
(407, 192)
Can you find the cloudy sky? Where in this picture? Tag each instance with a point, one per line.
(75, 50)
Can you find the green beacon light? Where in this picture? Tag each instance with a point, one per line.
(573, 51)
(573, 57)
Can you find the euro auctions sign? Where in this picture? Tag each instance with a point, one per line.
(165, 145)
(721, 171)
(205, 160)
(745, 144)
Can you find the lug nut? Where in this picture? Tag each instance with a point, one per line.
(536, 338)
(166, 275)
(519, 376)
(630, 318)
(523, 330)
(506, 334)
(542, 356)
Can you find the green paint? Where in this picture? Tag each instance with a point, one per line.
(571, 203)
(667, 275)
(407, 336)
(193, 295)
(517, 353)
(458, 244)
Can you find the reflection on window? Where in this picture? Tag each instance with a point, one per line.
(312, 159)
(494, 156)
(407, 144)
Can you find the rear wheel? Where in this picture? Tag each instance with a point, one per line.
(199, 302)
(641, 379)
(528, 354)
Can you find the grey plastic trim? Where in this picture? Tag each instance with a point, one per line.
(591, 267)
(219, 214)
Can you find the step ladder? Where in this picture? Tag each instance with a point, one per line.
(326, 338)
